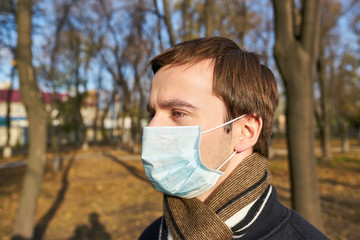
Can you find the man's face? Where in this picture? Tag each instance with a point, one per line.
(183, 96)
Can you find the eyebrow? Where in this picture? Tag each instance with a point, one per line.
(172, 103)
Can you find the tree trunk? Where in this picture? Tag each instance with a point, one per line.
(343, 133)
(54, 135)
(325, 116)
(104, 115)
(81, 137)
(243, 11)
(186, 19)
(158, 27)
(35, 107)
(168, 22)
(209, 17)
(295, 57)
(96, 118)
(7, 151)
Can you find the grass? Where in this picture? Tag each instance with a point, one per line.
(105, 192)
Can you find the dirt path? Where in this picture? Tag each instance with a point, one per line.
(104, 191)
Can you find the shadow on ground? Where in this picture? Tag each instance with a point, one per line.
(94, 231)
(134, 171)
(42, 224)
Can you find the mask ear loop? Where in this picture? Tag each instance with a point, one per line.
(226, 161)
(212, 129)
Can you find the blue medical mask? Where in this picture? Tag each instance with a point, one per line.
(171, 159)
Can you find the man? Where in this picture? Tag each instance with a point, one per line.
(206, 147)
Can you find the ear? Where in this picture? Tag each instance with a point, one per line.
(247, 132)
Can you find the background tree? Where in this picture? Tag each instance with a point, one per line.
(7, 151)
(36, 113)
(168, 24)
(136, 54)
(346, 95)
(187, 13)
(62, 11)
(7, 23)
(329, 55)
(296, 51)
(355, 25)
(330, 12)
(209, 8)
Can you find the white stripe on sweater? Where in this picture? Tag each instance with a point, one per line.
(240, 215)
(260, 210)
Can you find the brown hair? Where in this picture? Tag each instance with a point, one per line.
(239, 79)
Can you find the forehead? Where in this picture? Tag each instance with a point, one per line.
(190, 84)
(191, 76)
(184, 82)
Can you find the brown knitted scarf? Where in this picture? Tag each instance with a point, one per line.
(193, 219)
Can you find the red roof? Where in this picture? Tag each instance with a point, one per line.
(16, 96)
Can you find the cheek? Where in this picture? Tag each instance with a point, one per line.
(215, 149)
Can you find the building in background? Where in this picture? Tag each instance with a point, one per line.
(10, 99)
(92, 112)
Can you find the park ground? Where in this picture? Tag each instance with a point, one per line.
(104, 191)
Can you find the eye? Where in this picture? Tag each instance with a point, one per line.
(177, 114)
